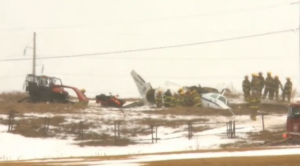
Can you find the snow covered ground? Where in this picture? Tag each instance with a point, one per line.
(212, 138)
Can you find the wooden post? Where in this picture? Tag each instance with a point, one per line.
(152, 132)
(189, 134)
(34, 54)
(80, 130)
(233, 129)
(46, 125)
(119, 130)
(263, 121)
(11, 118)
(115, 131)
(190, 130)
(155, 133)
(227, 129)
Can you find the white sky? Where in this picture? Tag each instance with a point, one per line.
(92, 26)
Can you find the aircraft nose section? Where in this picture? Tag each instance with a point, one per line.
(224, 106)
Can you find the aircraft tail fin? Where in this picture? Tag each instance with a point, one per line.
(222, 92)
(141, 84)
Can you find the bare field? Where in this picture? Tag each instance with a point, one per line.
(8, 101)
(33, 126)
(237, 109)
(292, 160)
(283, 160)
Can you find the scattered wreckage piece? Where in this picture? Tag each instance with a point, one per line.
(110, 101)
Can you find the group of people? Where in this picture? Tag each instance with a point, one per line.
(267, 86)
(259, 87)
(190, 98)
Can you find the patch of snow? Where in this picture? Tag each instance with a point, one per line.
(49, 147)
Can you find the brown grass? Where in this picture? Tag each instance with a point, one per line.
(238, 109)
(286, 160)
(9, 101)
(189, 111)
(169, 123)
(12, 96)
(107, 142)
(292, 160)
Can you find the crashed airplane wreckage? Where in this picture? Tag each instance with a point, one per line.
(210, 97)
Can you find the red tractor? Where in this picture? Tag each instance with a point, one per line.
(49, 89)
(110, 101)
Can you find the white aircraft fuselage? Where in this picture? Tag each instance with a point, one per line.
(148, 94)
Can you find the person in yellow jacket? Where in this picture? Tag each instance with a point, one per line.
(167, 98)
(253, 103)
(246, 85)
(276, 85)
(262, 83)
(255, 84)
(196, 99)
(175, 100)
(181, 97)
(83, 92)
(287, 89)
(268, 86)
(159, 99)
(188, 99)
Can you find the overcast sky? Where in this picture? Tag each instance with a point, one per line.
(71, 27)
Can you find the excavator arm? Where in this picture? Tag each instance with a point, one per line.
(81, 97)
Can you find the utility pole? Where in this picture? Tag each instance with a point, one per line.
(34, 53)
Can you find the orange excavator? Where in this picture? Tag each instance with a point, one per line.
(49, 89)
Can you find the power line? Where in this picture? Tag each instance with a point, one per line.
(157, 76)
(198, 58)
(157, 48)
(168, 18)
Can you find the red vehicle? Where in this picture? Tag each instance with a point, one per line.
(110, 101)
(293, 121)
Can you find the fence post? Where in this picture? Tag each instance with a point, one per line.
(80, 130)
(152, 132)
(233, 129)
(190, 130)
(230, 129)
(227, 129)
(115, 131)
(263, 121)
(46, 125)
(119, 129)
(155, 133)
(11, 118)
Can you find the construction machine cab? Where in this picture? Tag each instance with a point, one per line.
(33, 82)
(45, 89)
